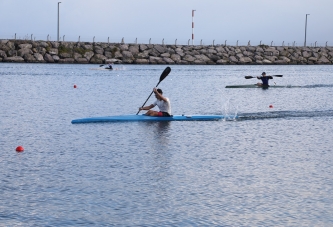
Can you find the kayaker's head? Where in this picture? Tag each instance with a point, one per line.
(263, 74)
(159, 91)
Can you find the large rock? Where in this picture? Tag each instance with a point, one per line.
(239, 56)
(41, 50)
(55, 58)
(77, 56)
(25, 46)
(213, 57)
(108, 54)
(88, 55)
(5, 47)
(244, 60)
(222, 62)
(143, 47)
(44, 44)
(237, 51)
(134, 50)
(247, 53)
(284, 59)
(312, 59)
(22, 52)
(165, 55)
(65, 55)
(323, 60)
(271, 58)
(180, 53)
(265, 61)
(233, 59)
(29, 58)
(127, 56)
(67, 61)
(251, 49)
(11, 53)
(113, 61)
(143, 55)
(117, 54)
(260, 50)
(123, 47)
(97, 59)
(141, 61)
(171, 51)
(306, 54)
(48, 58)
(39, 57)
(211, 51)
(3, 54)
(176, 58)
(168, 60)
(199, 62)
(98, 50)
(81, 60)
(50, 44)
(202, 58)
(161, 49)
(16, 59)
(87, 46)
(271, 52)
(53, 51)
(189, 58)
(156, 60)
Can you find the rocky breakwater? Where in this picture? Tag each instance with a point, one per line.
(101, 53)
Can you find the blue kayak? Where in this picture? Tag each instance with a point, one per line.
(124, 118)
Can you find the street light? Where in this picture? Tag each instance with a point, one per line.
(58, 22)
(306, 21)
(193, 25)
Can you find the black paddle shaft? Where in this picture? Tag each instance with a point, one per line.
(250, 77)
(164, 74)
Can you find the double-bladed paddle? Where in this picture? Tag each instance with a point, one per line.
(164, 74)
(250, 77)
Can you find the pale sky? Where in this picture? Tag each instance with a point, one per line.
(219, 20)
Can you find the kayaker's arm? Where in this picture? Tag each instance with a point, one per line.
(146, 107)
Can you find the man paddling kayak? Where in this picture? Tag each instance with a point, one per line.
(264, 80)
(163, 104)
(109, 66)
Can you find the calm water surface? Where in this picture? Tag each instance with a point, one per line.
(270, 167)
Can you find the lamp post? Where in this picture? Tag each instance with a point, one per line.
(58, 22)
(193, 25)
(306, 21)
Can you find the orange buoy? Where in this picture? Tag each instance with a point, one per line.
(270, 106)
(74, 85)
(19, 149)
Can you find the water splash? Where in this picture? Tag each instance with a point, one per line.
(230, 111)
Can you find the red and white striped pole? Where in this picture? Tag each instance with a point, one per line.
(193, 26)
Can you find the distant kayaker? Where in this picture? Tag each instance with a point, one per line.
(163, 104)
(110, 66)
(264, 79)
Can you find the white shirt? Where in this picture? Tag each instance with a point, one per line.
(163, 106)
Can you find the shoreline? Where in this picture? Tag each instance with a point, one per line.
(26, 51)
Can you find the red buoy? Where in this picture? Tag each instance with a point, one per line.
(270, 106)
(19, 149)
(74, 85)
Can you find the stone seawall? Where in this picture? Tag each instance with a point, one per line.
(102, 53)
